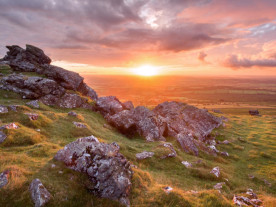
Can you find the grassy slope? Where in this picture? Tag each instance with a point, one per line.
(29, 154)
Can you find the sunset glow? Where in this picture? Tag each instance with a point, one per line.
(146, 70)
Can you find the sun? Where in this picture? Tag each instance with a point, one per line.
(145, 70)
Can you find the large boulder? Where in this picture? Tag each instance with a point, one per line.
(85, 90)
(71, 100)
(109, 105)
(187, 119)
(108, 170)
(40, 195)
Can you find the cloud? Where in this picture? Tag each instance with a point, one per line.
(234, 62)
(202, 56)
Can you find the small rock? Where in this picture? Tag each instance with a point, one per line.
(32, 116)
(170, 147)
(254, 112)
(38, 130)
(219, 186)
(4, 178)
(193, 191)
(251, 176)
(217, 111)
(216, 171)
(224, 154)
(225, 142)
(267, 183)
(10, 126)
(53, 166)
(33, 104)
(251, 194)
(3, 136)
(13, 107)
(39, 193)
(213, 148)
(60, 172)
(79, 124)
(72, 113)
(168, 189)
(3, 110)
(187, 164)
(144, 155)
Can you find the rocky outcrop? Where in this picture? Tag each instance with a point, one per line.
(250, 199)
(50, 89)
(40, 195)
(108, 170)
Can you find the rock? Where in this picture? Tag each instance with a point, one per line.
(186, 119)
(267, 183)
(13, 107)
(187, 143)
(4, 178)
(3, 109)
(72, 113)
(226, 142)
(79, 124)
(40, 195)
(250, 200)
(128, 105)
(144, 155)
(254, 112)
(219, 186)
(224, 154)
(32, 116)
(10, 126)
(168, 189)
(170, 147)
(251, 177)
(107, 169)
(216, 171)
(187, 164)
(213, 148)
(87, 91)
(3, 136)
(33, 104)
(108, 105)
(70, 101)
(53, 166)
(68, 79)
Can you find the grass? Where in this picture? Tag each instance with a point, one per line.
(29, 153)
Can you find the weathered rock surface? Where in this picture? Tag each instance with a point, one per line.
(108, 170)
(72, 113)
(3, 136)
(4, 178)
(109, 105)
(32, 116)
(128, 105)
(169, 146)
(219, 186)
(186, 142)
(39, 193)
(187, 164)
(70, 100)
(49, 90)
(216, 171)
(250, 199)
(79, 124)
(144, 155)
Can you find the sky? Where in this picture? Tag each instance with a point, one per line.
(177, 37)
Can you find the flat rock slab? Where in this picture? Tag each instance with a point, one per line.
(40, 195)
(144, 155)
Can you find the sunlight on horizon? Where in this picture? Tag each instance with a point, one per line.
(146, 70)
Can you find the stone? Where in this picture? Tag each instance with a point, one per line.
(79, 124)
(250, 200)
(4, 178)
(226, 142)
(144, 155)
(254, 112)
(216, 171)
(34, 104)
(108, 171)
(32, 116)
(3, 109)
(72, 113)
(170, 147)
(251, 176)
(219, 186)
(40, 195)
(224, 154)
(168, 189)
(187, 164)
(84, 89)
(217, 111)
(13, 107)
(251, 194)
(70, 100)
(3, 136)
(10, 126)
(186, 142)
(213, 148)
(108, 105)
(128, 105)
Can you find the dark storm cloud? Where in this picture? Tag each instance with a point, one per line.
(234, 62)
